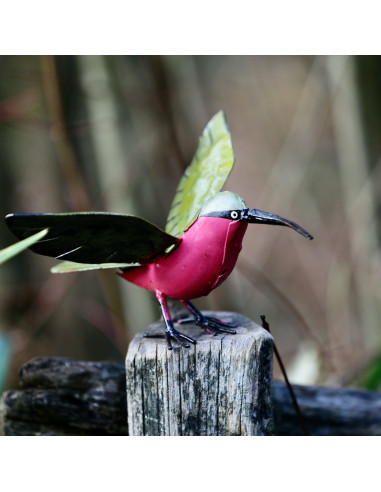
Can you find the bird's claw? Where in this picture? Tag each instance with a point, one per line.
(172, 333)
(213, 326)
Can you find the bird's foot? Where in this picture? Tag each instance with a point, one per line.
(212, 325)
(172, 333)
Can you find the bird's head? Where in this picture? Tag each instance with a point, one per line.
(228, 205)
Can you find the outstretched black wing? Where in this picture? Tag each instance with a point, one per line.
(93, 237)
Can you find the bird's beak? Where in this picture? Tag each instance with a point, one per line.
(256, 216)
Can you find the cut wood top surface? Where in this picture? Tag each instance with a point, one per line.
(247, 332)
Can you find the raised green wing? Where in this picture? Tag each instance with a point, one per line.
(204, 177)
(13, 250)
(94, 237)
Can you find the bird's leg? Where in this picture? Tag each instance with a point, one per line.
(211, 325)
(170, 331)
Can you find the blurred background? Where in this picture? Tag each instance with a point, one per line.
(113, 133)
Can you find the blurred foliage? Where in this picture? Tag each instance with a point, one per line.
(5, 359)
(115, 134)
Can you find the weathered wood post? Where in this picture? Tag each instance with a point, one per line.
(222, 386)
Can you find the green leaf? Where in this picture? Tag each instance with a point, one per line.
(13, 250)
(71, 266)
(204, 177)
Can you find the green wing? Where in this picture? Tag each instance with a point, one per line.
(204, 177)
(71, 266)
(13, 250)
(94, 237)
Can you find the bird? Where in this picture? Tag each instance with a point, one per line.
(195, 253)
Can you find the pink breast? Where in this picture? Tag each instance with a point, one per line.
(204, 259)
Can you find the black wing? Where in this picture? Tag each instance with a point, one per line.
(93, 237)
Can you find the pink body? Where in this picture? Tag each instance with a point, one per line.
(204, 259)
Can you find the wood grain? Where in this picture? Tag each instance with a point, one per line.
(66, 397)
(219, 387)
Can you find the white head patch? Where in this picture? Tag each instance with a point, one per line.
(223, 201)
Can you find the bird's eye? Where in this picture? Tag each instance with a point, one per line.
(234, 215)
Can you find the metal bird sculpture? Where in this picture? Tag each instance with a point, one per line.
(194, 255)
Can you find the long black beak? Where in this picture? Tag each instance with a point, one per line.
(255, 216)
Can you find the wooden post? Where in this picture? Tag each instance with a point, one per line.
(222, 386)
